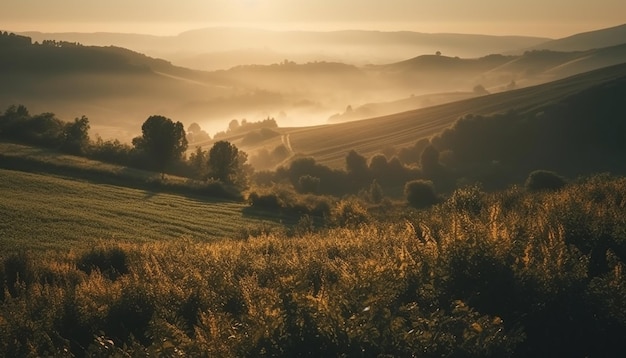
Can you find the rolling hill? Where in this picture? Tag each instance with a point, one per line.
(455, 77)
(588, 40)
(329, 144)
(118, 88)
(115, 87)
(57, 201)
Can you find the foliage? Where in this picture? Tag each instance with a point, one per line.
(76, 136)
(375, 193)
(420, 193)
(227, 164)
(264, 127)
(331, 182)
(356, 168)
(349, 213)
(287, 202)
(514, 278)
(257, 136)
(264, 159)
(111, 151)
(162, 140)
(42, 129)
(578, 135)
(308, 184)
(198, 163)
(544, 180)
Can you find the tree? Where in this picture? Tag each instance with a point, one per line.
(76, 136)
(356, 166)
(197, 161)
(228, 164)
(162, 140)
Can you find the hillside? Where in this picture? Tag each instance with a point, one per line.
(588, 40)
(117, 88)
(329, 144)
(57, 201)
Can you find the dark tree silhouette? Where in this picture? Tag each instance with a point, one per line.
(227, 164)
(162, 140)
(197, 161)
(356, 167)
(76, 136)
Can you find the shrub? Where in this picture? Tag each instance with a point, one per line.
(18, 268)
(544, 180)
(269, 201)
(349, 213)
(420, 193)
(111, 262)
(469, 199)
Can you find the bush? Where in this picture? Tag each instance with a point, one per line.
(111, 262)
(349, 213)
(18, 268)
(544, 180)
(265, 201)
(420, 193)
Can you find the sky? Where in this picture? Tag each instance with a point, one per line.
(546, 18)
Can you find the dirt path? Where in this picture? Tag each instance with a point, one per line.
(287, 143)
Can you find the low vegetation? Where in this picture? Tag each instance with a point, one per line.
(506, 274)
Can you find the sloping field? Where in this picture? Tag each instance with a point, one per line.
(329, 144)
(40, 212)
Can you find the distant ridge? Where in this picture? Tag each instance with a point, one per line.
(199, 48)
(607, 37)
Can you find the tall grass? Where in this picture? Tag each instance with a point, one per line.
(508, 274)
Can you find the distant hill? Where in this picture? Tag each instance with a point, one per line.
(119, 88)
(588, 40)
(213, 48)
(453, 78)
(115, 87)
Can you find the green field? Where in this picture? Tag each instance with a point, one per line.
(41, 212)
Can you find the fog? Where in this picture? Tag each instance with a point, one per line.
(298, 78)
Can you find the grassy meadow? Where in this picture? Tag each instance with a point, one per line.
(504, 274)
(42, 212)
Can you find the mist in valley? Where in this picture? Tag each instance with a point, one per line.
(213, 76)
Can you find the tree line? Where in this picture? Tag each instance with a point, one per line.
(160, 147)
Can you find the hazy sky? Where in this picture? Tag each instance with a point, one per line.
(551, 18)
